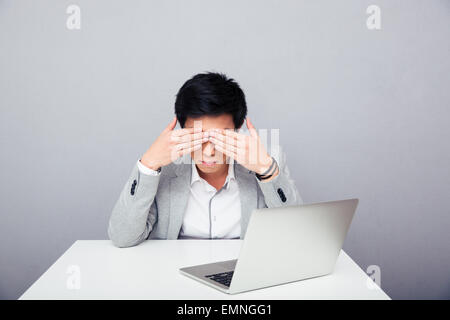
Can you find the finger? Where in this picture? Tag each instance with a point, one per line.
(217, 134)
(224, 139)
(234, 144)
(233, 134)
(236, 139)
(217, 130)
(189, 144)
(237, 153)
(172, 124)
(249, 123)
(237, 136)
(224, 145)
(225, 151)
(251, 128)
(190, 137)
(182, 132)
(239, 140)
(189, 150)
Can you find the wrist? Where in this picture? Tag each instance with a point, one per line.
(269, 178)
(149, 163)
(269, 173)
(266, 167)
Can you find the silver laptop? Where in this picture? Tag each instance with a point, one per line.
(282, 245)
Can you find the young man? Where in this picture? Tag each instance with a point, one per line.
(224, 174)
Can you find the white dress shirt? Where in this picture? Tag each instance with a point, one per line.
(145, 170)
(210, 213)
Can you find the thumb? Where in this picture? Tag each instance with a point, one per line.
(251, 128)
(172, 124)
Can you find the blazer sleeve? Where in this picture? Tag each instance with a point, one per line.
(135, 212)
(281, 190)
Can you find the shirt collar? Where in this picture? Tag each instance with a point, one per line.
(230, 176)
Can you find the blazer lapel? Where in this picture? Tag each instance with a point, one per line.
(180, 190)
(179, 196)
(247, 194)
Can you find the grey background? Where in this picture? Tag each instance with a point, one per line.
(361, 114)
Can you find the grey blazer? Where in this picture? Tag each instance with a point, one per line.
(152, 207)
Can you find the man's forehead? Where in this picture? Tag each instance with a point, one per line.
(211, 128)
(212, 120)
(205, 125)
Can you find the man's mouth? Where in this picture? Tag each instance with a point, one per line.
(208, 163)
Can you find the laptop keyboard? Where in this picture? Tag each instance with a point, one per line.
(222, 278)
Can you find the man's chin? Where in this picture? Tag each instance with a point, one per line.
(209, 168)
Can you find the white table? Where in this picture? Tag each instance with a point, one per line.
(150, 271)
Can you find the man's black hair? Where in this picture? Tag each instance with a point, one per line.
(210, 94)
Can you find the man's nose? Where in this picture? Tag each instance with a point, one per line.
(208, 149)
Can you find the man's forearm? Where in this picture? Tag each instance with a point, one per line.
(128, 223)
(280, 189)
